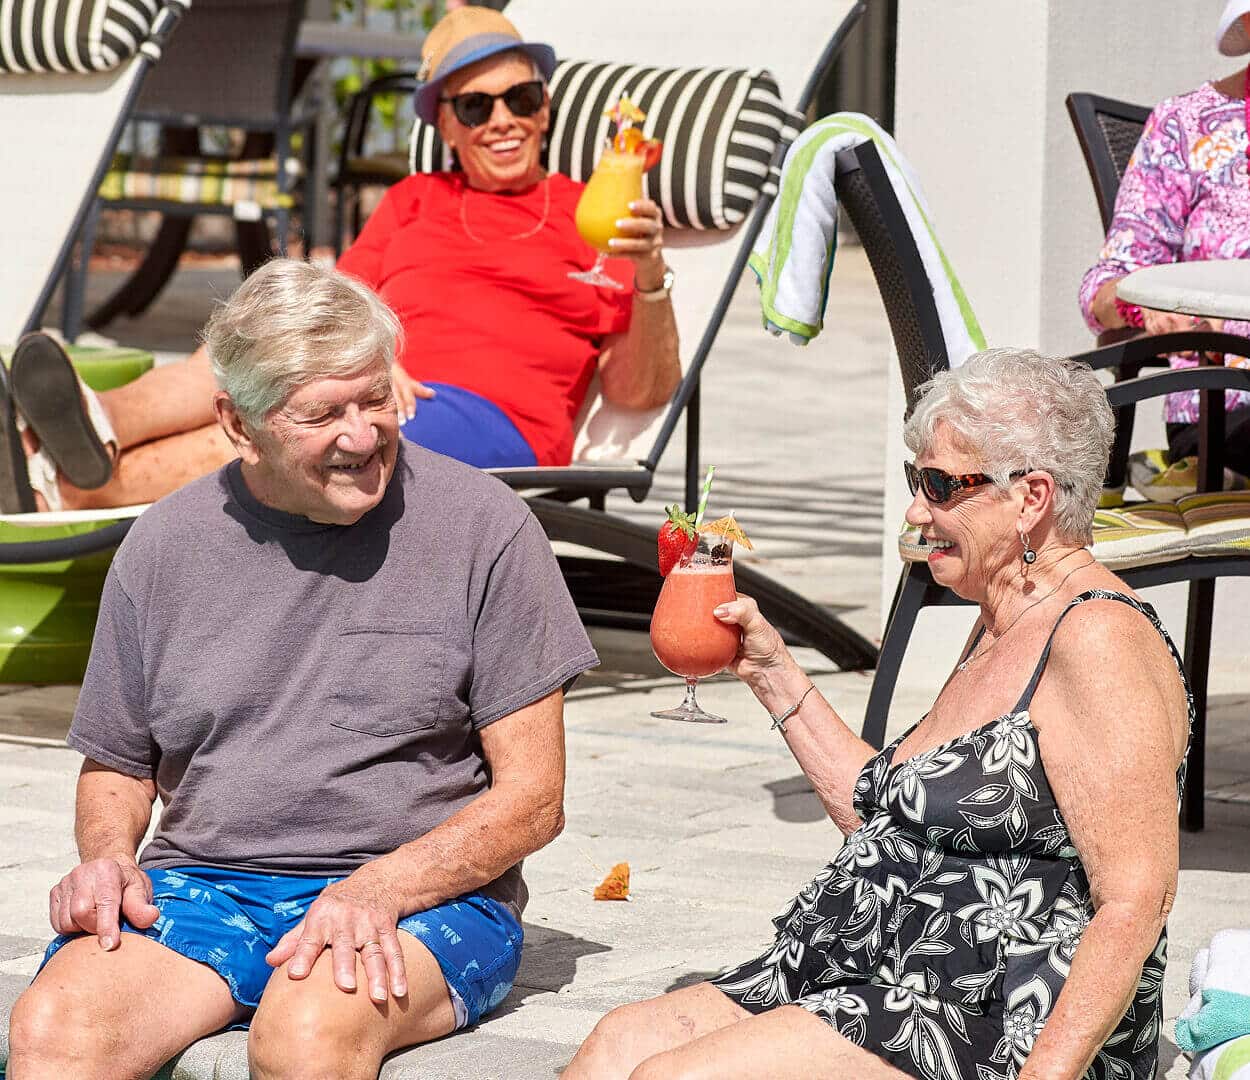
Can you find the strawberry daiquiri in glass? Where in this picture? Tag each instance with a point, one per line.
(686, 637)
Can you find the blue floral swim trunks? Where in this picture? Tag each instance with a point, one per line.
(229, 920)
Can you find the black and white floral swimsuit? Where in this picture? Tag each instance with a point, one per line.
(941, 934)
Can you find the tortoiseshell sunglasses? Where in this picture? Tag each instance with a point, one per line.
(939, 486)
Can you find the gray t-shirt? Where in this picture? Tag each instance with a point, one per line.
(307, 697)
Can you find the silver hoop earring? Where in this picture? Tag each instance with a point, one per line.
(1029, 556)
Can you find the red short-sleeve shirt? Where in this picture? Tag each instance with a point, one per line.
(486, 301)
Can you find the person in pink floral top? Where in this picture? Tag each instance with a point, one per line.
(1185, 196)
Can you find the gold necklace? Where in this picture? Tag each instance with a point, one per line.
(978, 651)
(464, 216)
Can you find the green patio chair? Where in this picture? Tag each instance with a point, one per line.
(65, 93)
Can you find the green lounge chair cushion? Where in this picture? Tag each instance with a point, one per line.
(198, 181)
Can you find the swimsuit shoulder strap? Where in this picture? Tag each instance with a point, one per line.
(973, 646)
(1098, 594)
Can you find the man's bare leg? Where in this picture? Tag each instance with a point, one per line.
(309, 1029)
(154, 469)
(118, 1015)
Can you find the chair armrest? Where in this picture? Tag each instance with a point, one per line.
(1174, 380)
(27, 552)
(1145, 349)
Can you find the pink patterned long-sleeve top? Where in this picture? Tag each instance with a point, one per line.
(1185, 196)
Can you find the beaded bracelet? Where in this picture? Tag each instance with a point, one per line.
(1130, 313)
(779, 721)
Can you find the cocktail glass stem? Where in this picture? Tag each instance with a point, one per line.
(689, 710)
(597, 276)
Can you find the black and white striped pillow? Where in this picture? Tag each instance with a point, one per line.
(83, 36)
(720, 127)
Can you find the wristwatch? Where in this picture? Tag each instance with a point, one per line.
(660, 293)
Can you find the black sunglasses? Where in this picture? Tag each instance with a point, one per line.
(474, 109)
(939, 486)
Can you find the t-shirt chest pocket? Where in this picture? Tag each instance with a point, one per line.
(389, 678)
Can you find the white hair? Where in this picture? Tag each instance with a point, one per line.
(1019, 411)
(292, 322)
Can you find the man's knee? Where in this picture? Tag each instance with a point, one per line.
(48, 1030)
(308, 1036)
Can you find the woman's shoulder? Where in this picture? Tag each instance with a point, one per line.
(1188, 109)
(565, 189)
(1109, 629)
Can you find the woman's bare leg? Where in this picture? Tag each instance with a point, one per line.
(148, 472)
(168, 400)
(787, 1043)
(630, 1034)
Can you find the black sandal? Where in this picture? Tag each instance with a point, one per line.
(16, 496)
(45, 388)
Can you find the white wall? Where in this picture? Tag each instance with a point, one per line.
(980, 113)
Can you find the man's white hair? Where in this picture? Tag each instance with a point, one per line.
(1017, 410)
(290, 323)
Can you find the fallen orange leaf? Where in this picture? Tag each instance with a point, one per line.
(616, 885)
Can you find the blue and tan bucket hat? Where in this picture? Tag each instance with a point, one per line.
(463, 37)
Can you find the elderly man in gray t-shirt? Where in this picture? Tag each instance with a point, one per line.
(339, 662)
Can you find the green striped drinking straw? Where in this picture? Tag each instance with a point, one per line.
(707, 487)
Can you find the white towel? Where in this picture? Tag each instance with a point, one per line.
(1215, 1025)
(793, 255)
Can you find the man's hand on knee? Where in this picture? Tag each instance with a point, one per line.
(94, 896)
(348, 917)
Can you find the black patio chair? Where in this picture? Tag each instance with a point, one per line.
(1108, 131)
(358, 169)
(231, 66)
(865, 192)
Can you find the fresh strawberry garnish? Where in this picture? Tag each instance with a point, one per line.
(676, 540)
(651, 151)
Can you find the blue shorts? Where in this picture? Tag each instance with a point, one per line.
(229, 920)
(462, 425)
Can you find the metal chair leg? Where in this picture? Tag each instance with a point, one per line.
(281, 227)
(76, 277)
(909, 598)
(340, 193)
(1197, 662)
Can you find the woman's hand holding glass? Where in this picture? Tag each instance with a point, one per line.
(641, 240)
(763, 661)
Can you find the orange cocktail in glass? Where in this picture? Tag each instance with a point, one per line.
(615, 183)
(686, 637)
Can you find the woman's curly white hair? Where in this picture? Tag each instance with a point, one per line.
(1017, 410)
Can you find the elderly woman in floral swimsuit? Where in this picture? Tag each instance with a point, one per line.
(998, 908)
(1185, 196)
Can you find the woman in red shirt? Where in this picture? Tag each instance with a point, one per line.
(500, 344)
